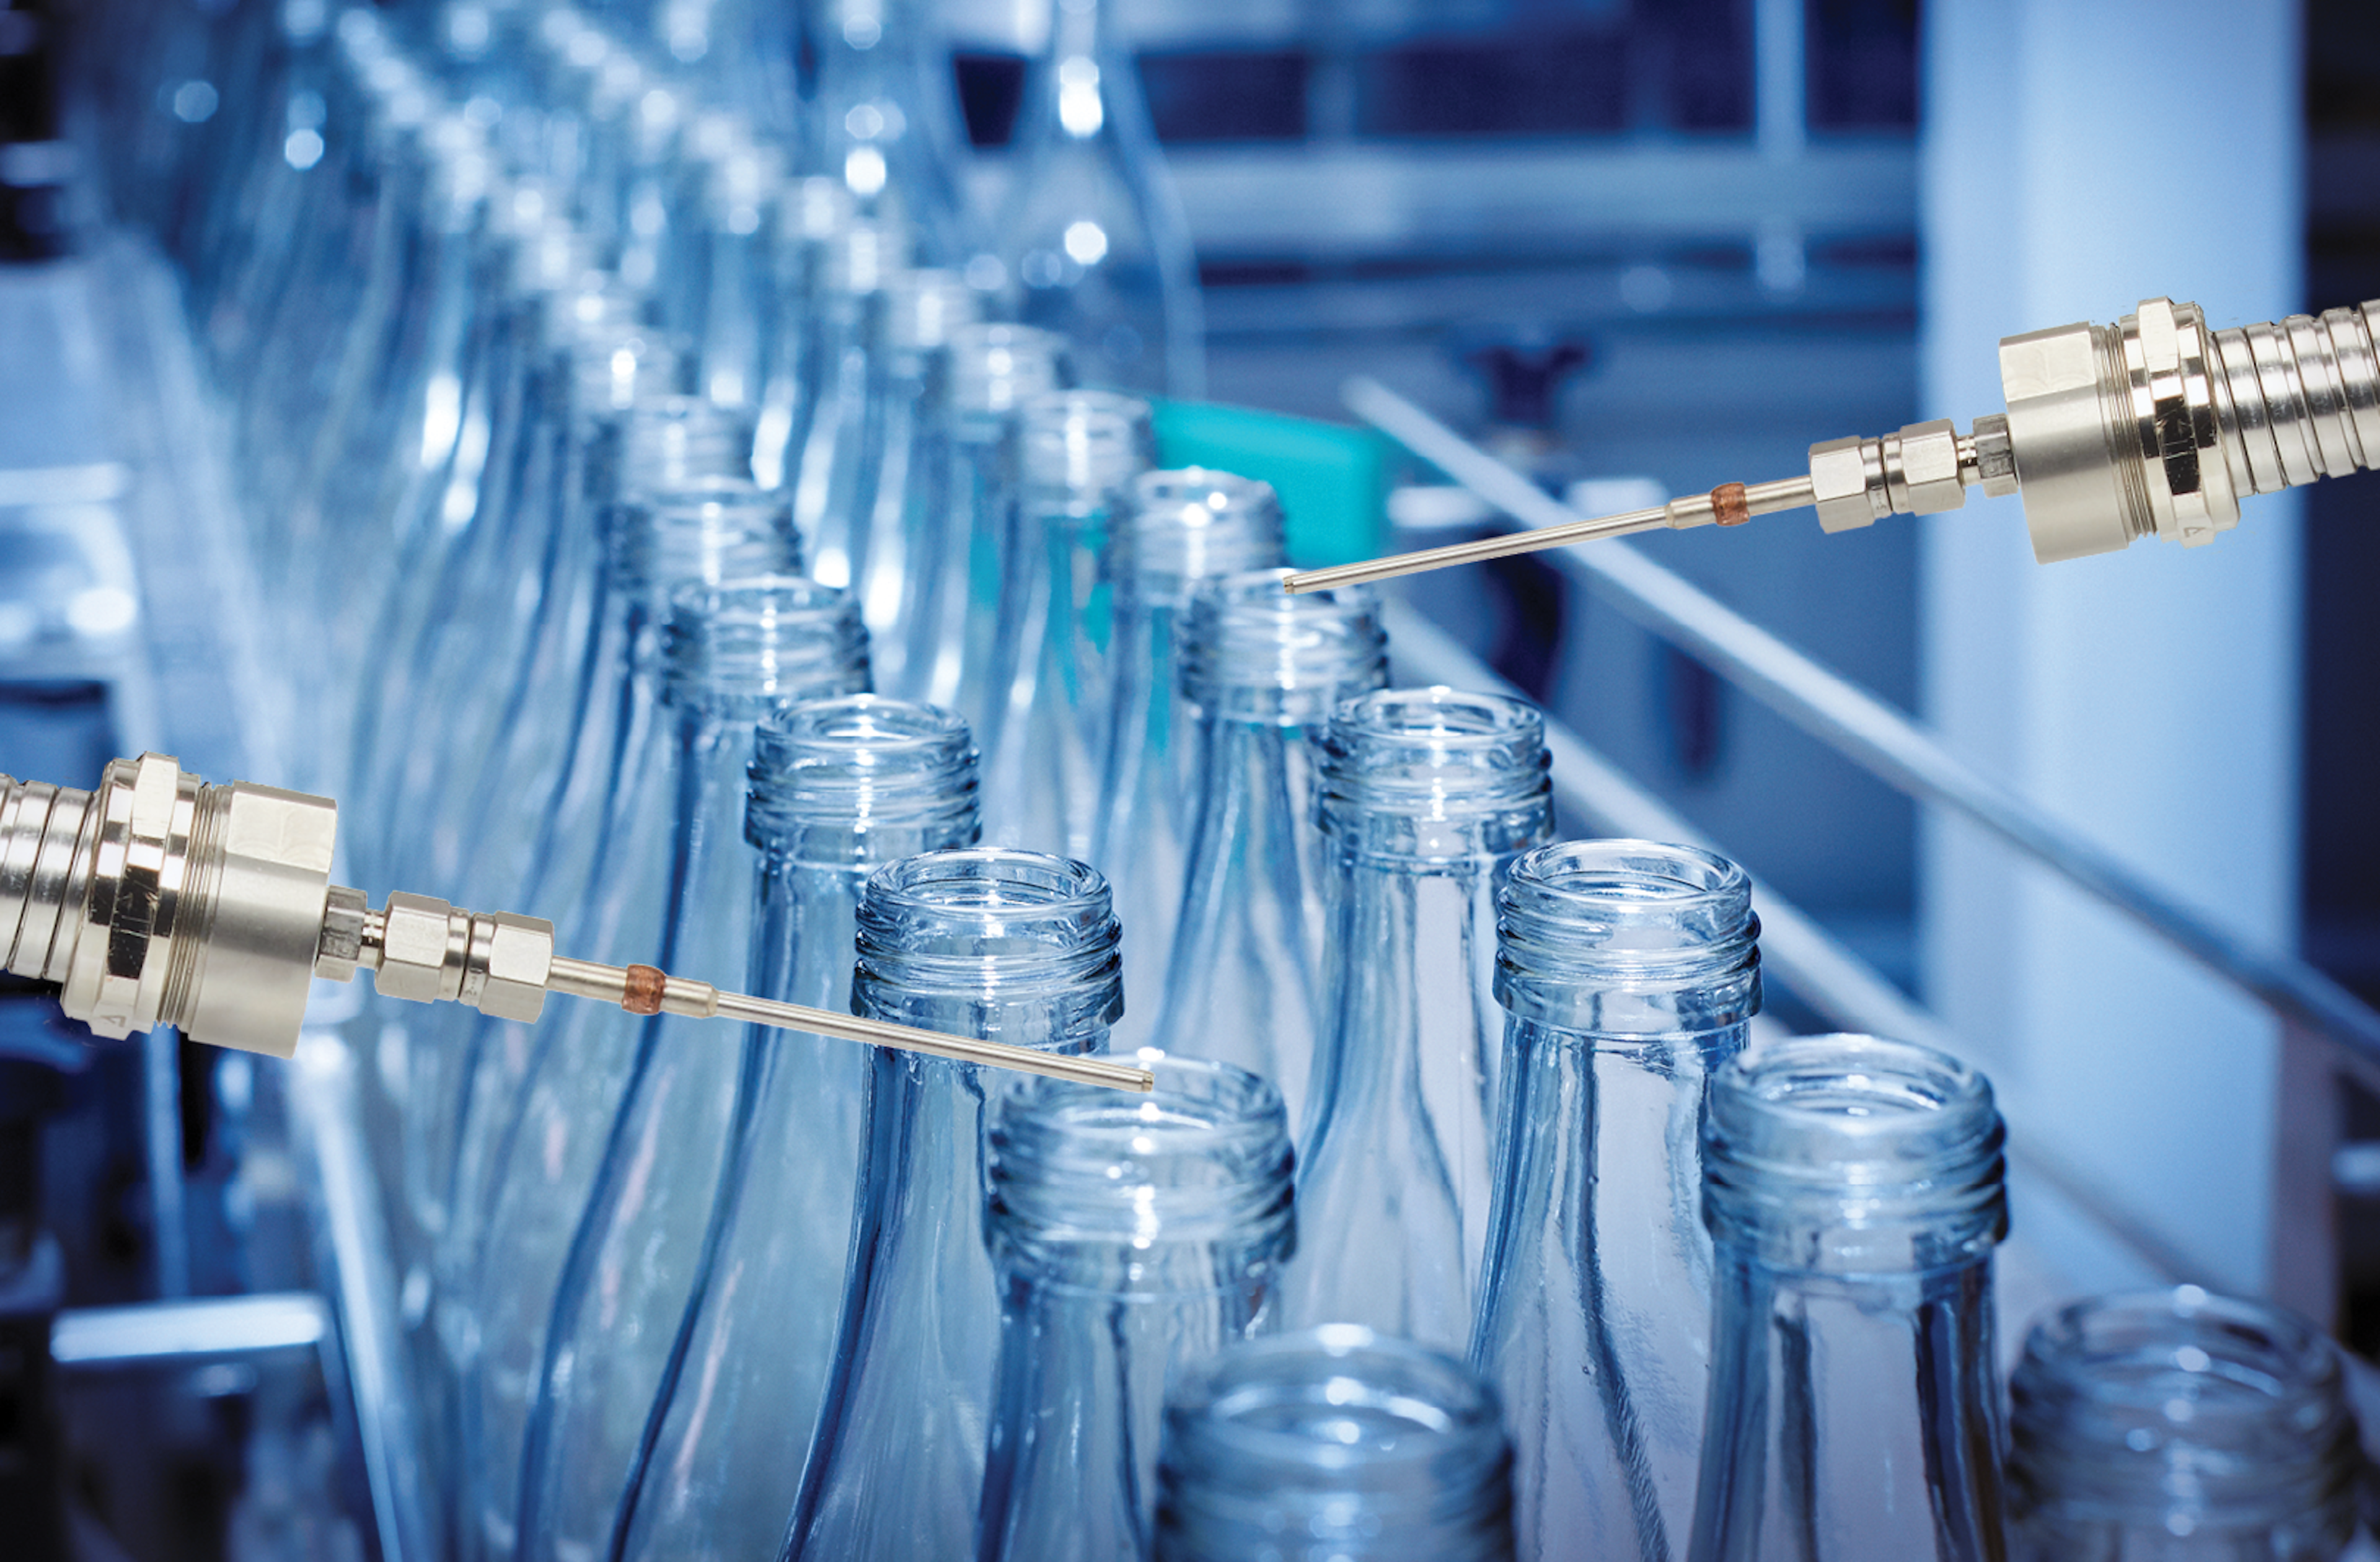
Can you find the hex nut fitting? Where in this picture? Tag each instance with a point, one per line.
(1838, 481)
(1995, 457)
(1921, 465)
(340, 949)
(416, 934)
(511, 958)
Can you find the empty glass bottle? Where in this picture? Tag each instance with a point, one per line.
(1179, 531)
(1131, 1235)
(910, 496)
(1338, 1445)
(576, 1189)
(812, 215)
(995, 370)
(1854, 1189)
(835, 458)
(1093, 235)
(1020, 948)
(1045, 745)
(883, 119)
(1629, 972)
(1428, 795)
(840, 787)
(1263, 671)
(2180, 1426)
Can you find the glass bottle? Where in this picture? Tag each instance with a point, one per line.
(1263, 669)
(1428, 795)
(840, 788)
(1016, 946)
(1336, 1445)
(600, 1102)
(1629, 972)
(1179, 531)
(836, 459)
(1093, 235)
(2180, 1426)
(812, 215)
(1854, 1189)
(995, 370)
(910, 491)
(883, 119)
(1131, 1235)
(1045, 745)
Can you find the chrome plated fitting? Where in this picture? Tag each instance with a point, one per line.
(158, 900)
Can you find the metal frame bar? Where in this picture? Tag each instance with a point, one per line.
(1882, 740)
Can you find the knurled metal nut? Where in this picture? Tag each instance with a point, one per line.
(341, 944)
(1995, 457)
(1838, 484)
(413, 948)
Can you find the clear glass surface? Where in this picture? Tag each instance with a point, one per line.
(884, 119)
(994, 370)
(1016, 946)
(839, 788)
(1339, 1445)
(2180, 1426)
(1629, 972)
(911, 520)
(1179, 529)
(1854, 1189)
(1093, 238)
(1131, 1236)
(1426, 797)
(1262, 670)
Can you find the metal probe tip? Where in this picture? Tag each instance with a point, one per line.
(1505, 545)
(643, 989)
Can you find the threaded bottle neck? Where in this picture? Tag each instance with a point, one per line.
(1850, 1154)
(996, 369)
(737, 649)
(1016, 946)
(1194, 524)
(923, 307)
(1627, 937)
(1081, 447)
(705, 531)
(670, 442)
(2177, 1414)
(616, 366)
(1430, 776)
(860, 778)
(1252, 652)
(1336, 1444)
(1174, 1191)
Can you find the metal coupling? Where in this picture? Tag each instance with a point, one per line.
(1922, 470)
(425, 950)
(2156, 426)
(158, 900)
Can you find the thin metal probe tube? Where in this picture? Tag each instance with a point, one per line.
(1379, 406)
(611, 983)
(1888, 743)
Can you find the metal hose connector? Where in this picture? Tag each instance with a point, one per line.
(158, 900)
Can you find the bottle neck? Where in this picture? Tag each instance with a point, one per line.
(1857, 1412)
(1424, 779)
(2180, 1424)
(862, 780)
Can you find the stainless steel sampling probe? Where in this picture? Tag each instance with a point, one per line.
(2154, 426)
(159, 900)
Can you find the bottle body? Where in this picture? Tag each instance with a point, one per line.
(1854, 1192)
(1338, 1445)
(2176, 1425)
(1020, 947)
(1131, 1236)
(1629, 974)
(1263, 671)
(1427, 794)
(839, 788)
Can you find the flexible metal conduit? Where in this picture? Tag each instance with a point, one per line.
(1876, 737)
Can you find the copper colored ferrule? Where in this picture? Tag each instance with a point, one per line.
(644, 986)
(1729, 507)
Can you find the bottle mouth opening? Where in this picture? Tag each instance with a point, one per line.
(706, 531)
(996, 367)
(674, 443)
(1203, 1158)
(775, 637)
(861, 762)
(1619, 901)
(1085, 440)
(925, 306)
(1245, 634)
(1329, 1413)
(2180, 1405)
(1870, 1147)
(1194, 524)
(1436, 752)
(983, 922)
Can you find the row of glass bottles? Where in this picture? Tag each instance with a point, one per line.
(673, 1295)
